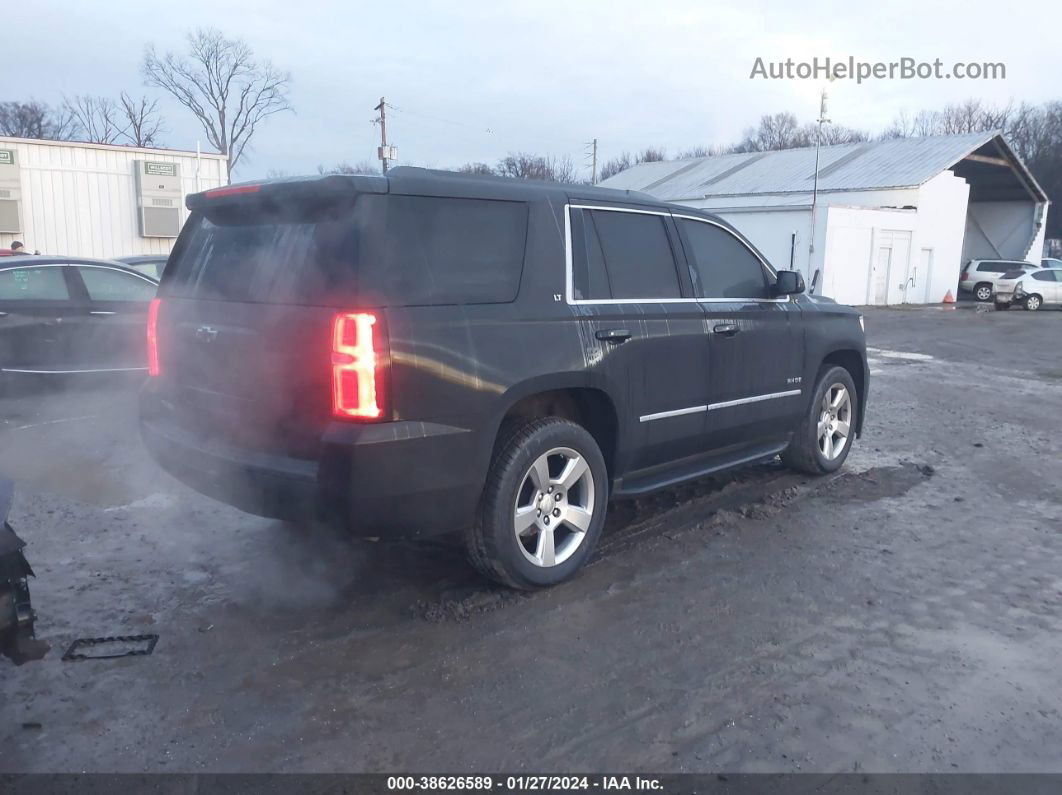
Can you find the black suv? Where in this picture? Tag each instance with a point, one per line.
(433, 352)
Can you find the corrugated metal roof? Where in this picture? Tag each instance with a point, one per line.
(894, 163)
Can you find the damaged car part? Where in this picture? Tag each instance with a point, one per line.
(103, 648)
(17, 640)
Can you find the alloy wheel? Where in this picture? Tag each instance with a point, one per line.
(835, 421)
(554, 507)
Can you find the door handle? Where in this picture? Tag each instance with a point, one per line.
(613, 335)
(726, 329)
(99, 312)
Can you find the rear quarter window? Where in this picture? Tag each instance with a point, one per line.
(426, 250)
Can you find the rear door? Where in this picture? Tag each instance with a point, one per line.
(116, 316)
(36, 312)
(756, 350)
(644, 333)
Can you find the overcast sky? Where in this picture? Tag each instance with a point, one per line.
(471, 81)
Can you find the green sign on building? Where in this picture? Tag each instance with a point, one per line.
(160, 169)
(7, 157)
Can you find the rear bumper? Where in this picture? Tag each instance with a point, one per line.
(403, 479)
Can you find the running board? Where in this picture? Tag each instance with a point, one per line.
(639, 483)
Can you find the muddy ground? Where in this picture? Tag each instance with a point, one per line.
(902, 616)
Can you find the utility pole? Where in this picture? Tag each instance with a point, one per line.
(593, 161)
(384, 152)
(815, 187)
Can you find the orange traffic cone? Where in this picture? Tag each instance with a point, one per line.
(949, 298)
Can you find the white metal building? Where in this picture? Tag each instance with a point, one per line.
(97, 200)
(893, 221)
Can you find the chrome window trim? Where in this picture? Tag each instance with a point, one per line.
(68, 372)
(569, 267)
(137, 274)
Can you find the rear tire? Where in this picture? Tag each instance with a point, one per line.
(983, 292)
(543, 505)
(1033, 303)
(833, 416)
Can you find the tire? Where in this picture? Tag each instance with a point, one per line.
(512, 494)
(983, 292)
(1033, 302)
(805, 452)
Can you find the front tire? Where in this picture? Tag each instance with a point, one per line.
(543, 505)
(823, 440)
(983, 292)
(1033, 302)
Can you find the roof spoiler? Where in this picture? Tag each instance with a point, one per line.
(336, 186)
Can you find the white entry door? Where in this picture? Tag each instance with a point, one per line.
(924, 276)
(899, 266)
(879, 278)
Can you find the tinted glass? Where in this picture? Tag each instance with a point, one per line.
(443, 250)
(109, 285)
(33, 284)
(266, 258)
(721, 265)
(1002, 266)
(1044, 276)
(589, 277)
(638, 255)
(152, 269)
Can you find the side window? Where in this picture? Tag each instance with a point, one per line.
(638, 255)
(589, 277)
(721, 265)
(450, 251)
(33, 284)
(104, 284)
(1044, 276)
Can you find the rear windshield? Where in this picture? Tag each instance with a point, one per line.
(276, 258)
(383, 250)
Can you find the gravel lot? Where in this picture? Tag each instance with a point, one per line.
(902, 616)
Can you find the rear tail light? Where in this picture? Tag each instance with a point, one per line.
(153, 337)
(360, 366)
(965, 276)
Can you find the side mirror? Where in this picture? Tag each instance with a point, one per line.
(789, 283)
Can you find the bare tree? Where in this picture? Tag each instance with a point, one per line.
(527, 166)
(220, 81)
(35, 120)
(362, 167)
(699, 151)
(144, 124)
(836, 134)
(775, 131)
(98, 119)
(482, 169)
(622, 162)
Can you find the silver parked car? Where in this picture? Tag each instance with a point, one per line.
(1034, 289)
(980, 276)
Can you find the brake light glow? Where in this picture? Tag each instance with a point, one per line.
(153, 337)
(232, 190)
(357, 369)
